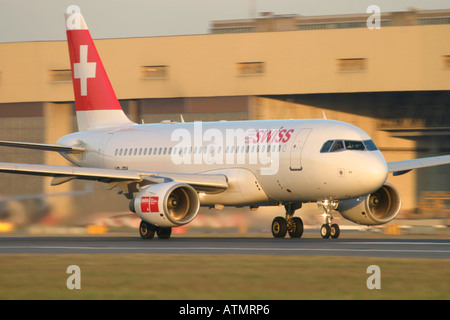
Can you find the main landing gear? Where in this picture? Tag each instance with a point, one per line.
(294, 225)
(290, 224)
(329, 228)
(147, 231)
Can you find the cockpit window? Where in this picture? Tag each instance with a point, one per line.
(354, 145)
(337, 146)
(370, 145)
(326, 146)
(341, 145)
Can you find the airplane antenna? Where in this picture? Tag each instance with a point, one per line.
(324, 116)
(182, 119)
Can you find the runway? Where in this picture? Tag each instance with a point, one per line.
(389, 248)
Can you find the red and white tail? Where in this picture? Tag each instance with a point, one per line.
(95, 101)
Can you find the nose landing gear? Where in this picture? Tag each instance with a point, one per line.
(329, 228)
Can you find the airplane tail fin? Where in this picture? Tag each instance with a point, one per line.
(95, 101)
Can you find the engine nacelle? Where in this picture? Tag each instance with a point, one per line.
(377, 208)
(168, 204)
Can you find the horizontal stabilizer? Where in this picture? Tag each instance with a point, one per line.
(41, 146)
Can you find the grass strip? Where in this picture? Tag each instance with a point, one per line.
(204, 277)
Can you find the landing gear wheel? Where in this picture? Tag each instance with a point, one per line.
(296, 228)
(164, 233)
(146, 230)
(325, 231)
(279, 227)
(329, 228)
(335, 231)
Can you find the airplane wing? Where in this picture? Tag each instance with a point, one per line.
(402, 167)
(41, 146)
(61, 174)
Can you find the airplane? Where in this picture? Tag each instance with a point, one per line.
(169, 170)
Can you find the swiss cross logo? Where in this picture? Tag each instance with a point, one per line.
(84, 69)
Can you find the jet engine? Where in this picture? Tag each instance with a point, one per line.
(168, 204)
(376, 208)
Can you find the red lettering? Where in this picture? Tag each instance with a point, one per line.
(257, 137)
(272, 135)
(288, 135)
(281, 134)
(265, 136)
(276, 136)
(268, 136)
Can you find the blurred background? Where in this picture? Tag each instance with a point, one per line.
(232, 61)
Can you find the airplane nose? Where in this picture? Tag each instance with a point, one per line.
(376, 171)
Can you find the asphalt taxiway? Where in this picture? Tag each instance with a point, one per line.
(389, 248)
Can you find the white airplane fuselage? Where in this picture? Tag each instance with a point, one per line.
(293, 170)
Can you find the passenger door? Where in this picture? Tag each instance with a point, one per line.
(297, 148)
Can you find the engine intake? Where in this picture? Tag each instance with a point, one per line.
(376, 208)
(168, 204)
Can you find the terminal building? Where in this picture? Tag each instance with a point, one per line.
(392, 82)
